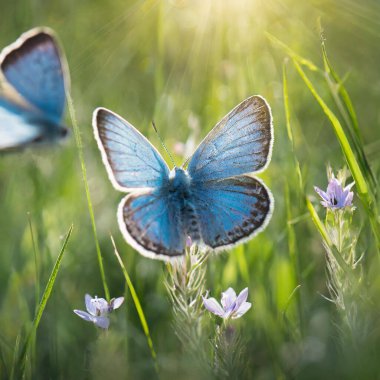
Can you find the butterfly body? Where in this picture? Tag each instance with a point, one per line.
(215, 200)
(32, 99)
(181, 192)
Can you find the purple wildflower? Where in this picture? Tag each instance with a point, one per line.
(232, 306)
(98, 310)
(336, 197)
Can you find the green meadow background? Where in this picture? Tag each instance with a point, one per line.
(185, 64)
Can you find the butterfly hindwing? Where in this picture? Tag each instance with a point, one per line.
(35, 67)
(150, 223)
(131, 160)
(240, 143)
(231, 210)
(15, 131)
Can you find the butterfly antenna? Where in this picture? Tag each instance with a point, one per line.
(162, 143)
(187, 161)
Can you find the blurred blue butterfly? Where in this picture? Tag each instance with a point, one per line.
(32, 100)
(213, 201)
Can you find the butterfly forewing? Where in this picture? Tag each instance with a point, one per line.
(231, 210)
(131, 160)
(240, 143)
(35, 67)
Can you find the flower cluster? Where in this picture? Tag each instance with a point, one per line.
(98, 310)
(232, 306)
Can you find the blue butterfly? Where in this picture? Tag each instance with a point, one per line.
(32, 100)
(214, 201)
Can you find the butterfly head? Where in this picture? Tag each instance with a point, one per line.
(178, 179)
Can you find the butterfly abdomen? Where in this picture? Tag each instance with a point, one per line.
(179, 190)
(190, 221)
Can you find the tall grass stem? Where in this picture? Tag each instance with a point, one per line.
(78, 140)
(138, 306)
(19, 366)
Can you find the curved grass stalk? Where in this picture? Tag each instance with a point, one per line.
(342, 138)
(19, 364)
(360, 180)
(79, 144)
(139, 309)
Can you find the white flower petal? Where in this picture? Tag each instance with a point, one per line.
(117, 302)
(84, 315)
(348, 200)
(212, 305)
(242, 297)
(102, 322)
(228, 299)
(325, 204)
(348, 187)
(89, 305)
(242, 310)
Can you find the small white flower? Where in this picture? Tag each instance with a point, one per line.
(98, 310)
(232, 306)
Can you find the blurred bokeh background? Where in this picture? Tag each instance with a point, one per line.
(184, 64)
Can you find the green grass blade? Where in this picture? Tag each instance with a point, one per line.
(292, 250)
(356, 172)
(36, 261)
(318, 223)
(20, 365)
(15, 356)
(341, 90)
(303, 61)
(333, 78)
(138, 306)
(288, 124)
(292, 246)
(78, 140)
(3, 365)
(290, 299)
(360, 180)
(327, 241)
(355, 139)
(242, 262)
(346, 108)
(37, 256)
(51, 281)
(359, 169)
(285, 94)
